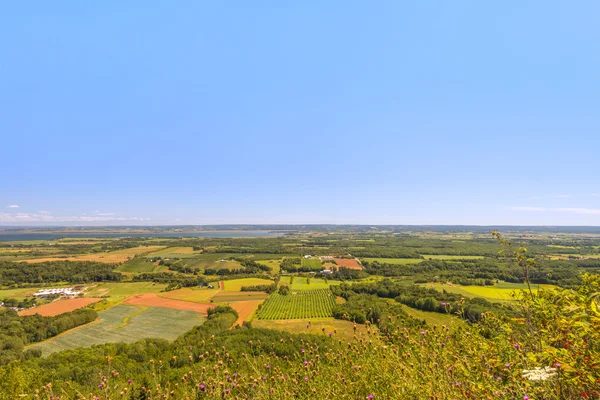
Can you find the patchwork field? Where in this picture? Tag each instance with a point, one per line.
(152, 300)
(301, 304)
(234, 285)
(109, 257)
(396, 261)
(60, 306)
(318, 326)
(124, 323)
(195, 295)
(275, 265)
(348, 263)
(313, 263)
(139, 265)
(173, 252)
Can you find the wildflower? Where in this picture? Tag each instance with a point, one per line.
(227, 391)
(268, 367)
(516, 345)
(557, 365)
(370, 397)
(539, 374)
(129, 381)
(422, 332)
(330, 333)
(507, 365)
(305, 362)
(306, 379)
(202, 387)
(444, 304)
(302, 349)
(525, 397)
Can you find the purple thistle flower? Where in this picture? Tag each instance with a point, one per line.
(516, 345)
(306, 379)
(268, 367)
(330, 333)
(557, 365)
(422, 332)
(525, 397)
(305, 362)
(202, 387)
(129, 381)
(507, 365)
(370, 397)
(227, 391)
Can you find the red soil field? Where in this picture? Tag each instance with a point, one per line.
(245, 309)
(348, 263)
(60, 306)
(221, 285)
(152, 300)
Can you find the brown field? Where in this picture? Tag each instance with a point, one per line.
(245, 310)
(152, 300)
(60, 307)
(117, 256)
(226, 297)
(348, 263)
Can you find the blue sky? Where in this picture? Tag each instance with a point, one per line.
(414, 112)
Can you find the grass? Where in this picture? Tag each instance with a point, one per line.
(235, 285)
(433, 318)
(341, 329)
(22, 293)
(124, 323)
(275, 265)
(396, 261)
(301, 283)
(450, 257)
(196, 295)
(229, 297)
(302, 304)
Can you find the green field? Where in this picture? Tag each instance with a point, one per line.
(302, 304)
(273, 264)
(301, 283)
(398, 261)
(434, 318)
(124, 323)
(500, 291)
(235, 285)
(122, 290)
(195, 295)
(340, 329)
(450, 257)
(22, 293)
(138, 265)
(314, 264)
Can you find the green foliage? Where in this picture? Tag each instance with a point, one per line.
(12, 273)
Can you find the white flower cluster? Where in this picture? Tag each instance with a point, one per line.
(539, 373)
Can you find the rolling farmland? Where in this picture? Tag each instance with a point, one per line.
(303, 304)
(124, 323)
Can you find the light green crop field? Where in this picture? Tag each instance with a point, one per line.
(312, 263)
(275, 265)
(138, 265)
(338, 328)
(434, 318)
(124, 323)
(301, 283)
(500, 291)
(450, 257)
(122, 290)
(174, 252)
(302, 304)
(195, 295)
(398, 261)
(235, 285)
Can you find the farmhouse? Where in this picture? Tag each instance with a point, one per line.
(326, 271)
(66, 292)
(308, 256)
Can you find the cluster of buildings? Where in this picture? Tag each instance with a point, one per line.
(63, 292)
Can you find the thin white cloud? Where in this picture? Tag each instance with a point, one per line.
(13, 206)
(47, 217)
(570, 210)
(105, 214)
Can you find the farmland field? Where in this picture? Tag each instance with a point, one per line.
(138, 265)
(340, 329)
(228, 297)
(117, 256)
(245, 310)
(234, 285)
(21, 293)
(302, 304)
(348, 263)
(397, 261)
(500, 291)
(124, 289)
(302, 283)
(450, 257)
(314, 264)
(60, 306)
(124, 323)
(173, 252)
(152, 300)
(195, 295)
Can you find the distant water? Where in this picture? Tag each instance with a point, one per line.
(10, 237)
